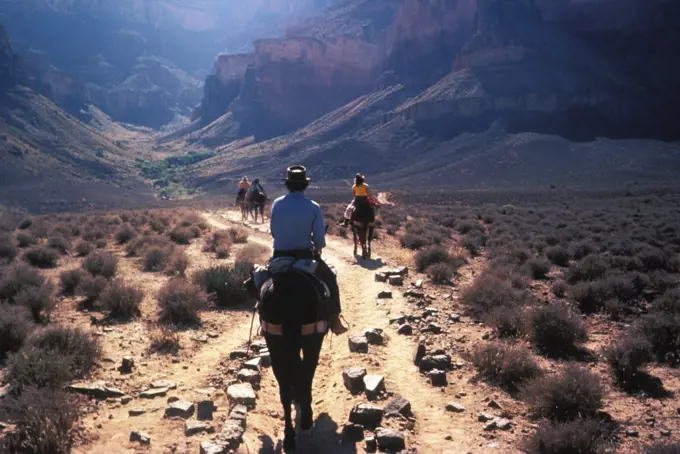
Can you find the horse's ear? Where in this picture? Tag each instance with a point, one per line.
(326, 228)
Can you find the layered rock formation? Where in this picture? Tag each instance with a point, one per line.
(8, 62)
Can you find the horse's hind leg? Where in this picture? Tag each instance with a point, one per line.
(369, 239)
(283, 366)
(354, 235)
(311, 348)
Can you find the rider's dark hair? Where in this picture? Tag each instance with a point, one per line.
(359, 180)
(297, 186)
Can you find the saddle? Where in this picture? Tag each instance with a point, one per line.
(280, 265)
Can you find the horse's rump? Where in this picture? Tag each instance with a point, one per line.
(292, 298)
(363, 213)
(258, 198)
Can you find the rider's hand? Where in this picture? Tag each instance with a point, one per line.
(319, 251)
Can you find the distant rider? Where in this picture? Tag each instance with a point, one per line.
(257, 187)
(298, 228)
(243, 187)
(361, 196)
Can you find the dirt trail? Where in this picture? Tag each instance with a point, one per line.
(435, 430)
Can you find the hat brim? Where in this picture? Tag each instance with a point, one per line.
(286, 180)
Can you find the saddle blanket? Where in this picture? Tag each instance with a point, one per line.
(278, 265)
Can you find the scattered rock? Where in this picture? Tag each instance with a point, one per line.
(353, 379)
(494, 404)
(164, 384)
(398, 406)
(136, 412)
(415, 293)
(358, 343)
(419, 283)
(455, 407)
(249, 376)
(196, 427)
(433, 328)
(231, 434)
(420, 354)
(384, 295)
(437, 377)
(485, 417)
(254, 364)
(396, 280)
(374, 385)
(374, 336)
(238, 354)
(503, 424)
(430, 362)
(209, 447)
(125, 400)
(398, 320)
(665, 432)
(127, 364)
(97, 389)
(352, 432)
(390, 440)
(172, 399)
(241, 393)
(200, 338)
(153, 393)
(402, 270)
(632, 433)
(239, 413)
(380, 277)
(371, 443)
(141, 437)
(265, 358)
(366, 415)
(405, 329)
(428, 311)
(205, 409)
(180, 409)
(455, 318)
(213, 335)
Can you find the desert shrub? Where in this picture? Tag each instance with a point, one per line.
(589, 269)
(581, 436)
(15, 326)
(663, 448)
(26, 239)
(42, 257)
(668, 302)
(121, 300)
(137, 246)
(574, 393)
(156, 258)
(194, 220)
(177, 264)
(558, 255)
(8, 250)
(441, 272)
(559, 289)
(555, 329)
(590, 296)
(91, 287)
(466, 227)
(38, 300)
(44, 420)
(36, 367)
(25, 224)
(180, 302)
(124, 234)
(581, 250)
(224, 283)
(70, 280)
(19, 277)
(218, 241)
(78, 348)
(432, 255)
(662, 330)
(508, 321)
(164, 341)
(59, 243)
(627, 356)
(84, 248)
(184, 235)
(101, 263)
(413, 241)
(238, 235)
(252, 253)
(473, 243)
(489, 291)
(538, 268)
(93, 233)
(100, 243)
(505, 365)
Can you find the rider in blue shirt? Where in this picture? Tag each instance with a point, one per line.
(298, 228)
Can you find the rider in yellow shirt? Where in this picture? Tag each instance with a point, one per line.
(361, 195)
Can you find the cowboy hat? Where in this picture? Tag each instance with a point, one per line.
(297, 174)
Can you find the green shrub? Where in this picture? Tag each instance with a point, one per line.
(25, 224)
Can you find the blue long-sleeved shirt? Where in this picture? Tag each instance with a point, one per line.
(297, 223)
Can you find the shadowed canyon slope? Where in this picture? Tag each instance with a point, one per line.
(379, 86)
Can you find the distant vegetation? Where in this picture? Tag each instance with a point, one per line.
(166, 174)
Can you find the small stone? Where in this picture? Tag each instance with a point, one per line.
(141, 437)
(127, 364)
(455, 318)
(125, 400)
(396, 280)
(398, 406)
(632, 433)
(352, 432)
(96, 389)
(390, 440)
(665, 432)
(402, 270)
(503, 424)
(486, 336)
(239, 413)
(266, 358)
(398, 320)
(491, 425)
(196, 427)
(374, 385)
(213, 335)
(153, 393)
(254, 364)
(241, 393)
(180, 409)
(374, 336)
(405, 330)
(358, 343)
(448, 438)
(437, 377)
(353, 379)
(455, 407)
(419, 283)
(433, 328)
(428, 311)
(494, 404)
(367, 415)
(420, 354)
(238, 354)
(232, 434)
(172, 399)
(371, 443)
(204, 410)
(203, 338)
(430, 362)
(249, 376)
(384, 295)
(380, 277)
(485, 417)
(164, 384)
(209, 447)
(136, 412)
(414, 294)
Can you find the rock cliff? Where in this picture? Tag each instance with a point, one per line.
(8, 62)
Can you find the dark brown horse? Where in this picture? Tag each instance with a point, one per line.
(242, 202)
(256, 203)
(291, 313)
(363, 225)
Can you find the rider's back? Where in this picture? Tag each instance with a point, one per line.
(297, 223)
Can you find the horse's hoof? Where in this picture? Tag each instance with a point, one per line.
(289, 441)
